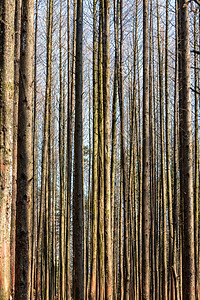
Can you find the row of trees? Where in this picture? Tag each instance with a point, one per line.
(99, 173)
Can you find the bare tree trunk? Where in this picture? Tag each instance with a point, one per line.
(69, 156)
(15, 131)
(124, 165)
(40, 240)
(7, 12)
(145, 179)
(188, 267)
(35, 183)
(114, 141)
(25, 155)
(78, 216)
(93, 282)
(196, 179)
(53, 214)
(174, 283)
(61, 163)
(101, 236)
(169, 188)
(106, 111)
(163, 184)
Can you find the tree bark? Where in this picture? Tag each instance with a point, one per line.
(95, 161)
(25, 155)
(145, 179)
(15, 131)
(188, 267)
(78, 214)
(7, 10)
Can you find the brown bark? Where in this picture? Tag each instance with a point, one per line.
(145, 179)
(95, 160)
(7, 10)
(15, 131)
(101, 236)
(25, 155)
(188, 267)
(78, 214)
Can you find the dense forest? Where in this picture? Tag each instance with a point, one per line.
(99, 149)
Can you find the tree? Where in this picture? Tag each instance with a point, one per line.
(15, 131)
(106, 112)
(185, 128)
(25, 155)
(101, 233)
(124, 164)
(78, 217)
(7, 11)
(145, 176)
(93, 282)
(44, 173)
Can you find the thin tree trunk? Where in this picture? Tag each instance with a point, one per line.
(61, 163)
(40, 243)
(123, 165)
(145, 179)
(169, 187)
(93, 282)
(174, 285)
(101, 237)
(69, 156)
(53, 215)
(114, 141)
(196, 179)
(163, 185)
(35, 185)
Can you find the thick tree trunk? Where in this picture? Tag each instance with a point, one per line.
(7, 11)
(188, 267)
(15, 131)
(106, 112)
(78, 216)
(25, 155)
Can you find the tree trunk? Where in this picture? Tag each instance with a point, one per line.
(106, 112)
(145, 179)
(78, 217)
(95, 160)
(101, 237)
(40, 245)
(196, 179)
(7, 11)
(163, 185)
(25, 155)
(15, 131)
(69, 156)
(188, 268)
